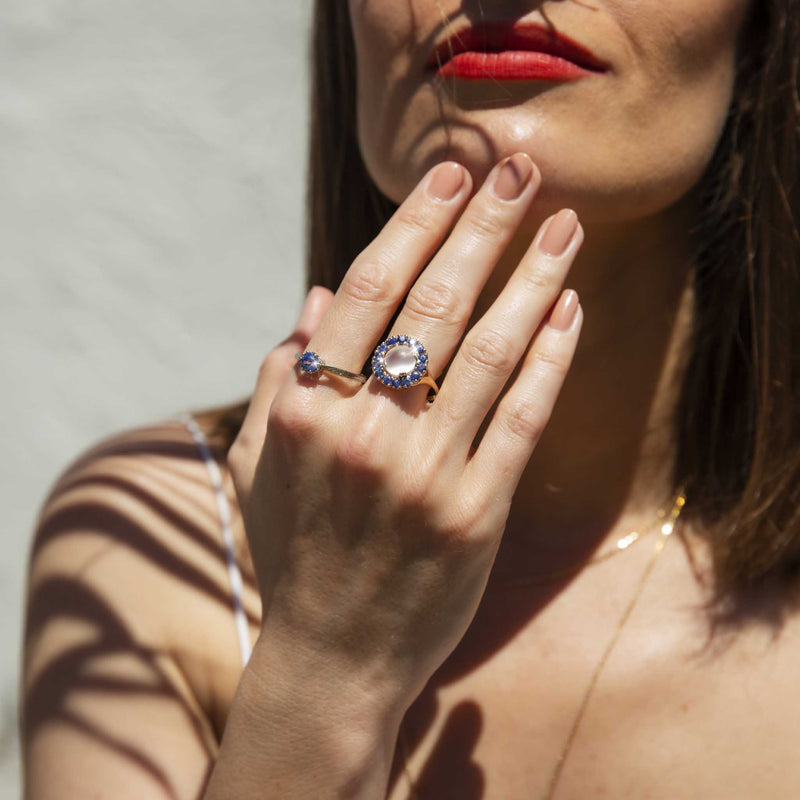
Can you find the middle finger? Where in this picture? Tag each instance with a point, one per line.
(439, 305)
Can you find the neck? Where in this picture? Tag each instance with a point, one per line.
(603, 466)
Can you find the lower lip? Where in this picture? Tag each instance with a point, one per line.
(511, 65)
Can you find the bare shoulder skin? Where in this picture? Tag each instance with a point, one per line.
(131, 661)
(676, 713)
(129, 636)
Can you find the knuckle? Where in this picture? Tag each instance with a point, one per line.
(486, 223)
(460, 523)
(414, 222)
(436, 300)
(453, 414)
(368, 281)
(523, 421)
(551, 360)
(416, 497)
(465, 531)
(489, 351)
(539, 277)
(359, 451)
(414, 482)
(290, 420)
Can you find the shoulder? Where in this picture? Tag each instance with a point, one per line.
(148, 493)
(128, 548)
(145, 494)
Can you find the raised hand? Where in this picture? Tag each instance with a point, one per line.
(372, 518)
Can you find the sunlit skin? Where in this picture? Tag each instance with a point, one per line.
(624, 148)
(360, 577)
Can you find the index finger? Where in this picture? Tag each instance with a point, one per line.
(274, 369)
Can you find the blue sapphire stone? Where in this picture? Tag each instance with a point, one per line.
(309, 362)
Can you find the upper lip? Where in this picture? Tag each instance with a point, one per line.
(500, 36)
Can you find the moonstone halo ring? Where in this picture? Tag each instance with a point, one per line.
(312, 364)
(400, 362)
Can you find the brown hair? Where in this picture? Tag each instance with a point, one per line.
(736, 426)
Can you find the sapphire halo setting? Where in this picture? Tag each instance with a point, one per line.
(400, 362)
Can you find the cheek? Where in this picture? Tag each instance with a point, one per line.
(386, 35)
(673, 98)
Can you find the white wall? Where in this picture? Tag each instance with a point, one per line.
(152, 159)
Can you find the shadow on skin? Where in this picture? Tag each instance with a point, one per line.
(101, 664)
(144, 478)
(75, 684)
(449, 771)
(51, 697)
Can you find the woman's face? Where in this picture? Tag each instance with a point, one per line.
(622, 141)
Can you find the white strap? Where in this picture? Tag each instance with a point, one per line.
(224, 511)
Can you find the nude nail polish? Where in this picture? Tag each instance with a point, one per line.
(513, 176)
(446, 181)
(564, 310)
(559, 232)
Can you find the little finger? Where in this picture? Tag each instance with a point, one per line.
(524, 411)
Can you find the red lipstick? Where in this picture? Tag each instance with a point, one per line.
(503, 51)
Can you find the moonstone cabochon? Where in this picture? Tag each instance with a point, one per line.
(400, 361)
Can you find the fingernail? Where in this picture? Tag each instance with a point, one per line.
(513, 176)
(564, 311)
(559, 232)
(446, 181)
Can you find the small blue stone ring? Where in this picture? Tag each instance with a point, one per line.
(312, 364)
(401, 361)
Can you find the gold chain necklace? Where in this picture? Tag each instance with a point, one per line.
(620, 546)
(666, 529)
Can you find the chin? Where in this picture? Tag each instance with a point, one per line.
(600, 193)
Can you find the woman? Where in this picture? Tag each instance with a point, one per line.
(477, 596)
